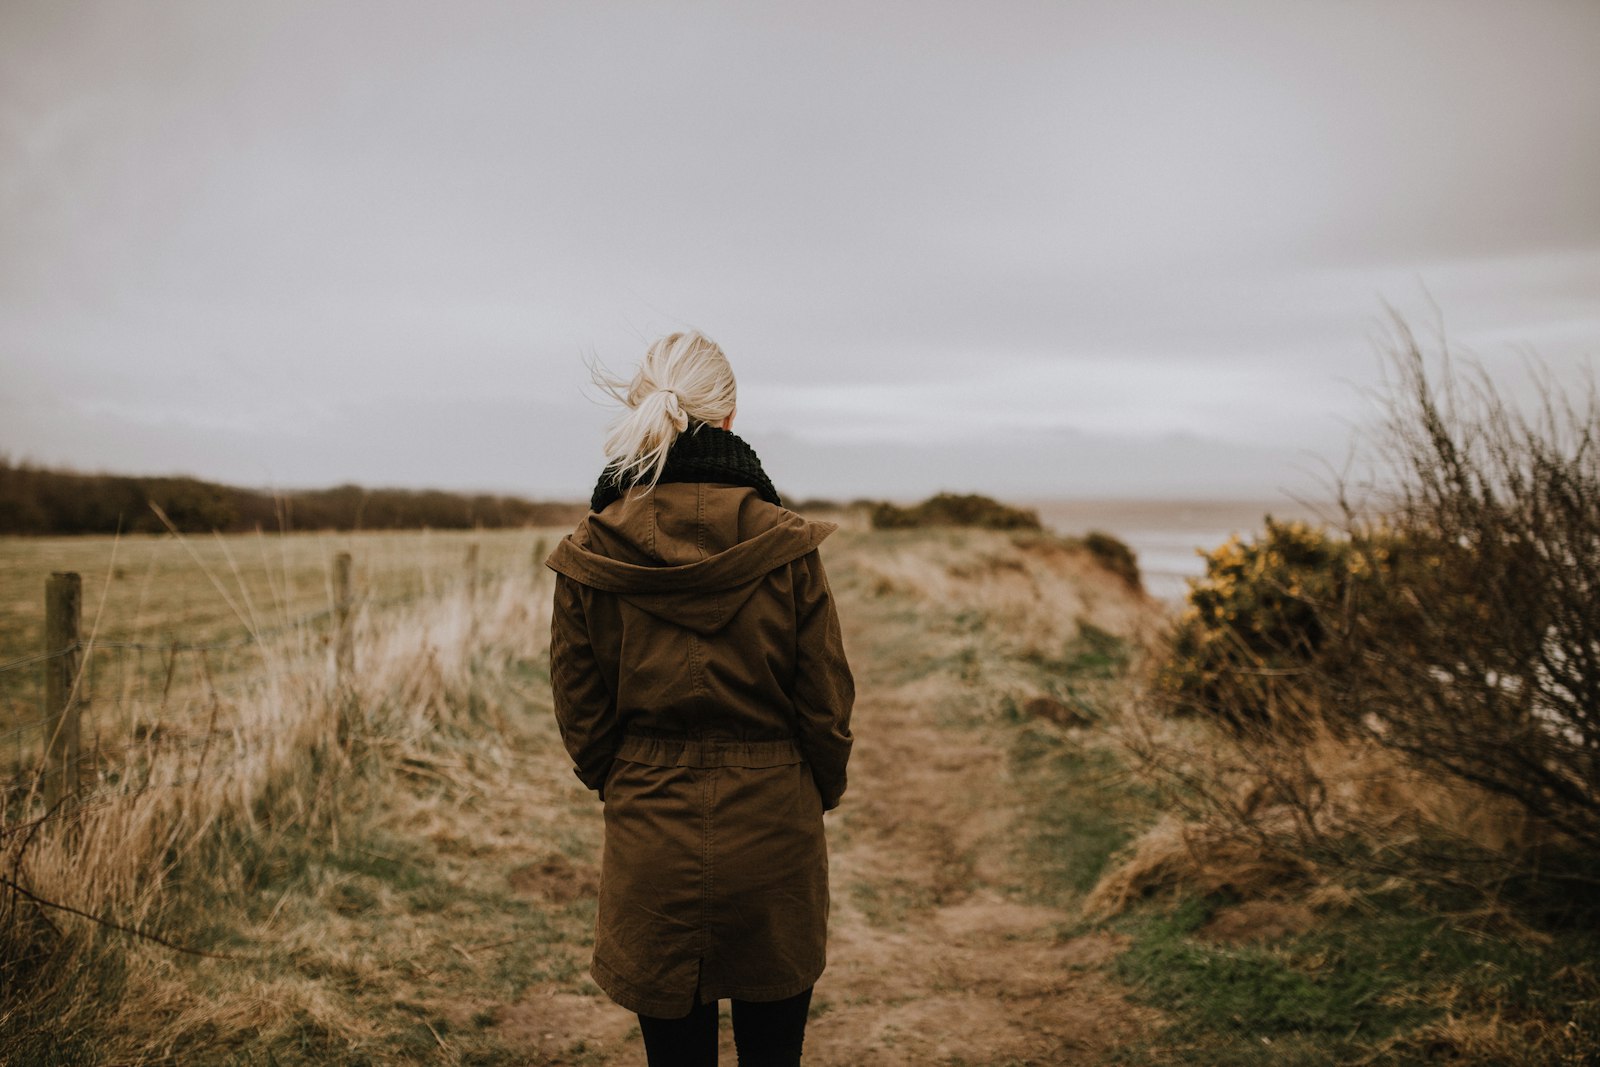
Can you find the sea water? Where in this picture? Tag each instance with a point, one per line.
(1170, 536)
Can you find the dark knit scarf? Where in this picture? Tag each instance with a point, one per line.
(703, 453)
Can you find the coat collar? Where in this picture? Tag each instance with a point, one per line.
(703, 454)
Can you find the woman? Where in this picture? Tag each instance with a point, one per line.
(701, 689)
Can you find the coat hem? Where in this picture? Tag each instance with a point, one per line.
(627, 995)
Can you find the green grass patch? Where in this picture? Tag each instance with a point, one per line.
(1336, 982)
(1080, 804)
(889, 903)
(1081, 809)
(1088, 672)
(1091, 654)
(1356, 985)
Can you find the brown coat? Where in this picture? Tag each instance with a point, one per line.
(701, 687)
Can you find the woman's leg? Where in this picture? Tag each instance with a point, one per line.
(687, 1042)
(769, 1033)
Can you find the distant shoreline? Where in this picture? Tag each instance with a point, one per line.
(1209, 510)
(1169, 535)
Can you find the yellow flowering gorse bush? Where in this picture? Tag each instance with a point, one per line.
(1255, 620)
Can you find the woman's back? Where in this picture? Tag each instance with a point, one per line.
(691, 605)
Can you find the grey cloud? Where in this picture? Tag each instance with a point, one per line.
(223, 221)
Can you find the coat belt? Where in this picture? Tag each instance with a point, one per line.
(708, 752)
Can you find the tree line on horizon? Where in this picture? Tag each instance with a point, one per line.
(42, 501)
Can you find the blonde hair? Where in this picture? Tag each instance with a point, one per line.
(684, 378)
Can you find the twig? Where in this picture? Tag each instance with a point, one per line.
(147, 935)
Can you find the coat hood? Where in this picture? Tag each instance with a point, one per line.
(690, 553)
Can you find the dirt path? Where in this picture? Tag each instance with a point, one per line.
(938, 954)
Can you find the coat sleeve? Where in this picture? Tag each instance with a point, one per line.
(824, 689)
(586, 708)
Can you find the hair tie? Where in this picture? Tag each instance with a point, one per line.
(675, 410)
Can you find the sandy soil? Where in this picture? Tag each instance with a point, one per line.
(968, 974)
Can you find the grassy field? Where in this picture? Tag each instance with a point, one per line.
(248, 597)
(199, 588)
(402, 870)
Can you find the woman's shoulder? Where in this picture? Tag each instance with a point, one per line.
(755, 516)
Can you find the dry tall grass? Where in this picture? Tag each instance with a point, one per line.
(167, 820)
(1259, 815)
(1030, 591)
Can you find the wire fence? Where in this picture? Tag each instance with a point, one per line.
(132, 699)
(111, 736)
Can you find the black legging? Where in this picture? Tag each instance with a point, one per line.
(766, 1033)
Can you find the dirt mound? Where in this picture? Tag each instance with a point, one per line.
(556, 879)
(1258, 920)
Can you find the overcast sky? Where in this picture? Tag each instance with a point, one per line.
(1119, 248)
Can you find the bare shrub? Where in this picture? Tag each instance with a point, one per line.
(1415, 694)
(1256, 813)
(1475, 649)
(953, 509)
(1114, 555)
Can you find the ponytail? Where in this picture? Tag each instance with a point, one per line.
(683, 379)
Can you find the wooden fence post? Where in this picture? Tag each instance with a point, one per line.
(539, 555)
(472, 591)
(344, 647)
(63, 607)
